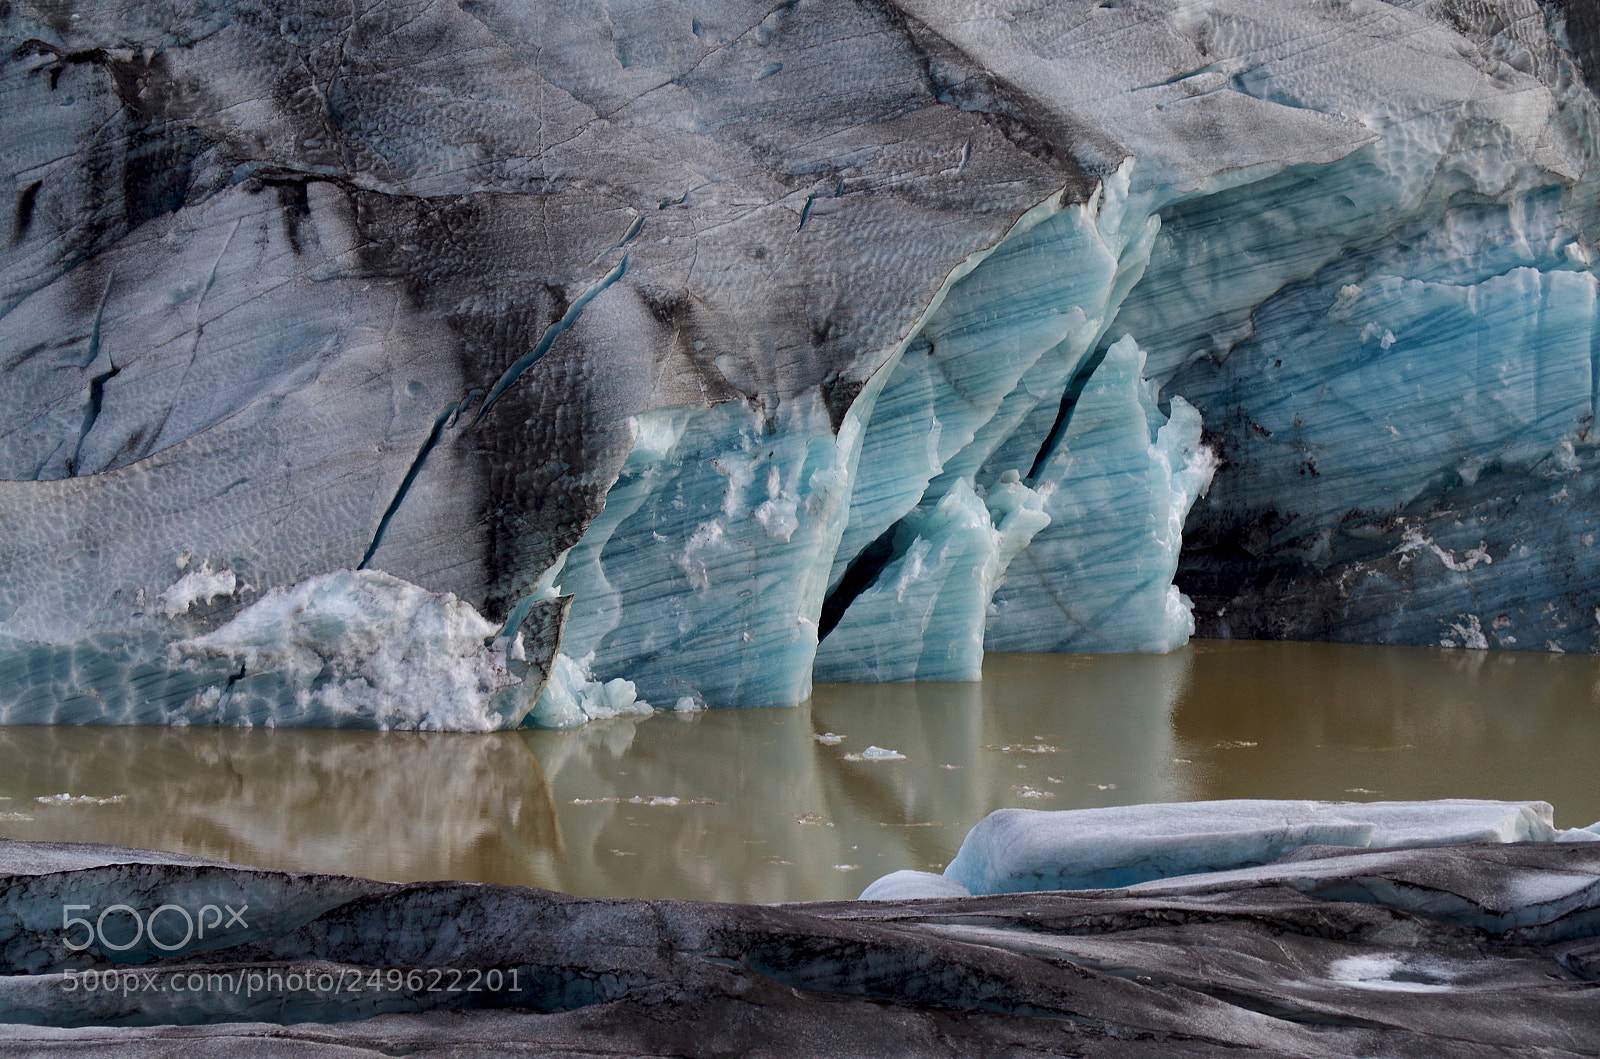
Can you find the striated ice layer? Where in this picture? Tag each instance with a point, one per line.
(701, 520)
(1394, 352)
(711, 590)
(1018, 850)
(923, 618)
(1001, 347)
(980, 392)
(581, 570)
(1406, 382)
(346, 649)
(1116, 485)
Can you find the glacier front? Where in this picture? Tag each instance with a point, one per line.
(568, 362)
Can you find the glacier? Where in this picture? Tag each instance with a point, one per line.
(679, 355)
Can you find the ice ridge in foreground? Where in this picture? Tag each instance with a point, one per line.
(1019, 850)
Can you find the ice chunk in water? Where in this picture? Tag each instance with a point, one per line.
(1016, 850)
(906, 885)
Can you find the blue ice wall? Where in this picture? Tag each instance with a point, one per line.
(710, 590)
(923, 617)
(1381, 411)
(1117, 484)
(991, 363)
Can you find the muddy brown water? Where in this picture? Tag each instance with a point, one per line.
(750, 805)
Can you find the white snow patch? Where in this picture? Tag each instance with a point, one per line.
(779, 513)
(706, 540)
(1392, 973)
(196, 586)
(1413, 540)
(1469, 632)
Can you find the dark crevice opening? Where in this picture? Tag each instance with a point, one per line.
(1069, 403)
(24, 217)
(860, 575)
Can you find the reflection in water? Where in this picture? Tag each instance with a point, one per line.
(750, 805)
(1369, 723)
(398, 805)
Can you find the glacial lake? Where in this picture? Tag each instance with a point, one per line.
(750, 805)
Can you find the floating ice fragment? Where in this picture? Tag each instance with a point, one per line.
(79, 799)
(907, 885)
(876, 753)
(1015, 850)
(829, 739)
(688, 704)
(643, 799)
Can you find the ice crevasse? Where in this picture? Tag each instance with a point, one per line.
(689, 391)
